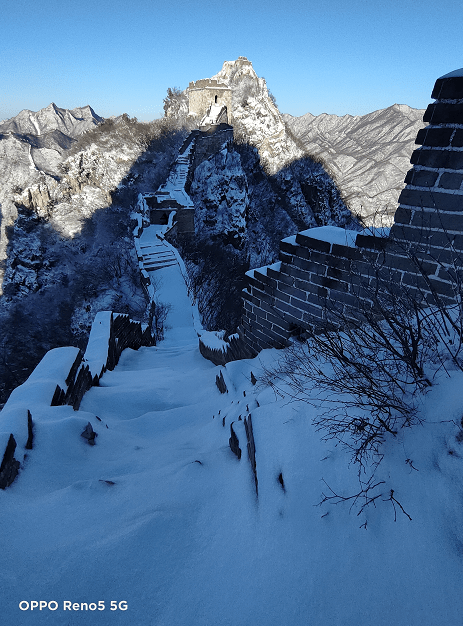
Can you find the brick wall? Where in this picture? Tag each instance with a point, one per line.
(327, 269)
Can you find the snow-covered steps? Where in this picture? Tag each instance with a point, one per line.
(155, 254)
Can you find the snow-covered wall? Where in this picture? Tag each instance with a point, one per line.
(328, 269)
(62, 377)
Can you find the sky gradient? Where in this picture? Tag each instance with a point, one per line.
(319, 57)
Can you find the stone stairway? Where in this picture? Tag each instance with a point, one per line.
(156, 255)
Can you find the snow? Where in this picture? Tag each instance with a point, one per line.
(37, 391)
(162, 515)
(96, 354)
(332, 234)
(214, 340)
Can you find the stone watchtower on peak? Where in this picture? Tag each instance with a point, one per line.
(210, 100)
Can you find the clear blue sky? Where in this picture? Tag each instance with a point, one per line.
(332, 56)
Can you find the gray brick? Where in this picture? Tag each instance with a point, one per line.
(297, 273)
(302, 264)
(454, 160)
(347, 298)
(313, 244)
(443, 113)
(278, 321)
(285, 258)
(288, 310)
(282, 296)
(285, 277)
(431, 199)
(440, 287)
(330, 283)
(316, 314)
(457, 139)
(251, 298)
(338, 274)
(403, 215)
(421, 178)
(272, 273)
(344, 252)
(438, 220)
(451, 181)
(303, 307)
(316, 298)
(434, 137)
(448, 88)
(302, 252)
(292, 291)
(447, 159)
(287, 247)
(250, 316)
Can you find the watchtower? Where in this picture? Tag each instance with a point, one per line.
(210, 94)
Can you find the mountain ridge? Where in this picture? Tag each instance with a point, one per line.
(367, 155)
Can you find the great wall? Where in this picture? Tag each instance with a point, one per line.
(320, 270)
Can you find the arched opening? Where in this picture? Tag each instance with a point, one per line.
(216, 99)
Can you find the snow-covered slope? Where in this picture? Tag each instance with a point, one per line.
(368, 155)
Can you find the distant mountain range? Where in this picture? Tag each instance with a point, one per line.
(71, 123)
(367, 155)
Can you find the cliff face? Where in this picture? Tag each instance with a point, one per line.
(219, 191)
(32, 147)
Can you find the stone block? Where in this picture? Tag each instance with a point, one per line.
(372, 242)
(421, 178)
(285, 258)
(292, 291)
(438, 200)
(344, 252)
(434, 137)
(313, 244)
(448, 88)
(289, 248)
(457, 139)
(451, 181)
(278, 321)
(330, 283)
(437, 220)
(443, 113)
(288, 311)
(403, 215)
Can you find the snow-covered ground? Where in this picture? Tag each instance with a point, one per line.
(162, 516)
